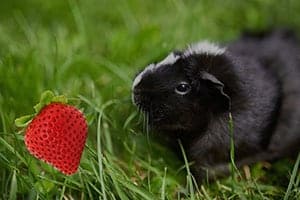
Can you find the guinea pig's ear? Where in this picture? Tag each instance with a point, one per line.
(223, 100)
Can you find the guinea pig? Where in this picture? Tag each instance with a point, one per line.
(190, 94)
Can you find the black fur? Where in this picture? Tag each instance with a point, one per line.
(257, 79)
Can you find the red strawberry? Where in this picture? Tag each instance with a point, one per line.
(57, 135)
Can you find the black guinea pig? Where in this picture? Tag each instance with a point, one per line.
(188, 97)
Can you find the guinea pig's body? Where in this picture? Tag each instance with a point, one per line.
(189, 95)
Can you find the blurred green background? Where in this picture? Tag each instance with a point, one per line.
(90, 50)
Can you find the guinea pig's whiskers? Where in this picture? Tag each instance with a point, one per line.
(141, 116)
(146, 123)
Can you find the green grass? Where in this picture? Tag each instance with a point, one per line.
(90, 51)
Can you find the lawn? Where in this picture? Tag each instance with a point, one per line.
(90, 51)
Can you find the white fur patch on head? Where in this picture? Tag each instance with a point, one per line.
(169, 60)
(139, 77)
(204, 47)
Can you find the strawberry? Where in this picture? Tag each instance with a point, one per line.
(57, 134)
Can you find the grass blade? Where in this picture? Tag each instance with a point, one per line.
(232, 153)
(292, 179)
(62, 194)
(100, 156)
(189, 174)
(163, 187)
(5, 144)
(13, 187)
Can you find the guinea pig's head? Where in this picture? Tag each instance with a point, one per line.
(181, 92)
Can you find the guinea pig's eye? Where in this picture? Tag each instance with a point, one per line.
(183, 88)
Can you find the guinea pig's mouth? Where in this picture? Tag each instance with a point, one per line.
(170, 127)
(157, 117)
(153, 117)
(157, 121)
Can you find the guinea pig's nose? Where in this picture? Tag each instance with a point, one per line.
(137, 91)
(141, 97)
